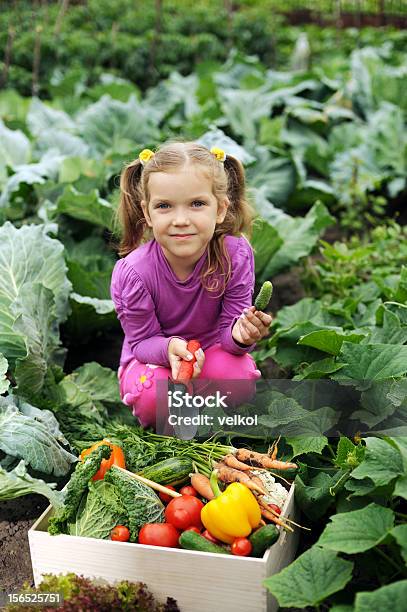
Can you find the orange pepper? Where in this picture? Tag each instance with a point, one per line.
(116, 458)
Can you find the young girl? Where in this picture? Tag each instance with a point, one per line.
(187, 272)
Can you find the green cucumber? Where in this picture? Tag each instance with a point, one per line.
(172, 471)
(262, 539)
(264, 296)
(193, 541)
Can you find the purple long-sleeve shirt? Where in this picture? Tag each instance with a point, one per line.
(153, 305)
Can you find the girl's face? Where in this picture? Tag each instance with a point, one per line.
(183, 214)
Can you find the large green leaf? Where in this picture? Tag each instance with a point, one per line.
(28, 256)
(174, 99)
(357, 531)
(90, 382)
(86, 206)
(317, 423)
(18, 482)
(111, 125)
(376, 403)
(371, 81)
(299, 237)
(282, 411)
(27, 438)
(216, 137)
(329, 340)
(400, 490)
(306, 310)
(319, 369)
(15, 149)
(90, 266)
(372, 361)
(382, 462)
(265, 242)
(89, 316)
(61, 143)
(273, 177)
(4, 382)
(307, 444)
(310, 579)
(98, 512)
(234, 104)
(36, 320)
(390, 597)
(46, 417)
(314, 498)
(27, 174)
(42, 116)
(90, 171)
(400, 534)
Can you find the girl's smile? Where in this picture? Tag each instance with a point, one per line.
(182, 236)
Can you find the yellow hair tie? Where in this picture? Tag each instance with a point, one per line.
(145, 156)
(218, 153)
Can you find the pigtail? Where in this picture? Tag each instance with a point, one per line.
(130, 215)
(238, 220)
(241, 211)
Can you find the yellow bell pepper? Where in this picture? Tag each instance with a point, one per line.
(232, 514)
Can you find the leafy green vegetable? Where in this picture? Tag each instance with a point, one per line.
(98, 512)
(77, 486)
(30, 439)
(18, 482)
(141, 504)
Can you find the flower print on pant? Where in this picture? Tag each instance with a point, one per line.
(143, 382)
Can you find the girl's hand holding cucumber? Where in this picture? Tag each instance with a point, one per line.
(253, 323)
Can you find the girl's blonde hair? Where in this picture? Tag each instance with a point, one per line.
(228, 179)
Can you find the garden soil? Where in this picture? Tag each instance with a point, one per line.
(16, 517)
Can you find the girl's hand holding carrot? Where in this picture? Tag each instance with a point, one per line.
(251, 326)
(177, 351)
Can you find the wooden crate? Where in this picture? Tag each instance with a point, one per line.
(200, 582)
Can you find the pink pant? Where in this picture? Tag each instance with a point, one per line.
(138, 388)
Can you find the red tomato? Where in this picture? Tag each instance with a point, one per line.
(184, 512)
(165, 497)
(274, 507)
(242, 547)
(193, 529)
(189, 490)
(159, 534)
(120, 533)
(210, 537)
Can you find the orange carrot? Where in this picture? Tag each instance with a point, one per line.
(232, 462)
(258, 481)
(274, 449)
(268, 512)
(201, 484)
(227, 474)
(274, 519)
(261, 460)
